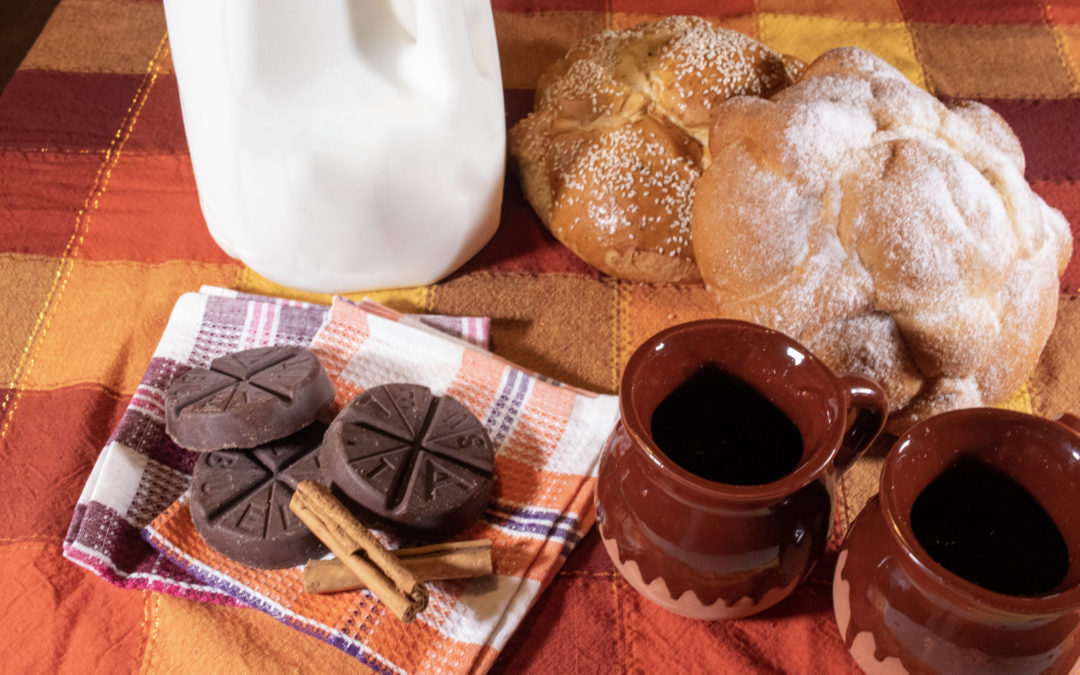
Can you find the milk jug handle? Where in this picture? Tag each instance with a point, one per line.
(867, 407)
(442, 31)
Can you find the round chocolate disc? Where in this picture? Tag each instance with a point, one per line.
(246, 399)
(240, 500)
(421, 464)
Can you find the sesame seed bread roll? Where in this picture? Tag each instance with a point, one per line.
(619, 136)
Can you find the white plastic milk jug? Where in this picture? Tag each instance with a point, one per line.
(343, 145)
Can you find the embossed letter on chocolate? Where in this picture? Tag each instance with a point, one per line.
(240, 500)
(421, 464)
(246, 399)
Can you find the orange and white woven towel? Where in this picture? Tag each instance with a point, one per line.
(547, 440)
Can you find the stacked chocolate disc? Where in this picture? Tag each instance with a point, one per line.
(401, 458)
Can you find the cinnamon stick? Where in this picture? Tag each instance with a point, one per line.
(359, 550)
(451, 560)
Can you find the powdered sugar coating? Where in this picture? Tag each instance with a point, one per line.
(889, 233)
(611, 153)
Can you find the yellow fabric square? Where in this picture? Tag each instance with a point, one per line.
(846, 10)
(1068, 40)
(106, 322)
(1020, 401)
(407, 300)
(808, 37)
(28, 280)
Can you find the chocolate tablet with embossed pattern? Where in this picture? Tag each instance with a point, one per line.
(240, 500)
(420, 464)
(246, 398)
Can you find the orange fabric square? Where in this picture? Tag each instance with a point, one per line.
(205, 638)
(354, 615)
(1013, 61)
(646, 309)
(60, 619)
(1063, 13)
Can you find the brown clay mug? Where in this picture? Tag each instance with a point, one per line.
(718, 550)
(955, 566)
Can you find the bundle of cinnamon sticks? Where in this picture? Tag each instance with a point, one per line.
(395, 577)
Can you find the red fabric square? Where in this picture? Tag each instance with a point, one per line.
(42, 193)
(62, 431)
(150, 212)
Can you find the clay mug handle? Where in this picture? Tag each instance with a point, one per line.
(1071, 421)
(870, 405)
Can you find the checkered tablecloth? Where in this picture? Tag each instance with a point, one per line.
(101, 233)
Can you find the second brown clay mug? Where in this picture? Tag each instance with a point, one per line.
(968, 559)
(718, 550)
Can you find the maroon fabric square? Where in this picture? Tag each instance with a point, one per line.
(972, 11)
(1047, 132)
(66, 111)
(160, 127)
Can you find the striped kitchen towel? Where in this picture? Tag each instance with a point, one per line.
(140, 471)
(547, 440)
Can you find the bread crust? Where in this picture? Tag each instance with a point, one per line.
(893, 235)
(618, 138)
